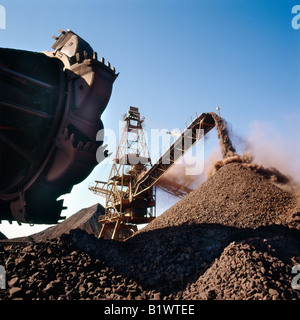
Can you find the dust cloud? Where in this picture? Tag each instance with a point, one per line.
(177, 183)
(256, 152)
(247, 159)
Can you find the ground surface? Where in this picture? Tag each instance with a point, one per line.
(237, 236)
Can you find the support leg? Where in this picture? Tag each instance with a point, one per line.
(116, 230)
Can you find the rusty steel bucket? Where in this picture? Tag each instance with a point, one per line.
(50, 112)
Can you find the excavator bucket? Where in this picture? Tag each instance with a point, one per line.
(50, 112)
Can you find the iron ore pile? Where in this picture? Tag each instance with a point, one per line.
(237, 236)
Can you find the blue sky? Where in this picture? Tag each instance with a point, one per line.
(177, 57)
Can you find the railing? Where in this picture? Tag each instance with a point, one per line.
(175, 151)
(167, 146)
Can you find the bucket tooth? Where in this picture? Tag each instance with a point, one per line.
(87, 146)
(72, 138)
(66, 133)
(79, 146)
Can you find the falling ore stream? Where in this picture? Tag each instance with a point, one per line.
(174, 178)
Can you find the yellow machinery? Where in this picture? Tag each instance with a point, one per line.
(130, 190)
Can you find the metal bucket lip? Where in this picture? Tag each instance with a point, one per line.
(25, 182)
(32, 197)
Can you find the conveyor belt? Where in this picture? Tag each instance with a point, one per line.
(175, 152)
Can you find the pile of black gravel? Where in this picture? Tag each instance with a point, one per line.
(58, 270)
(236, 236)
